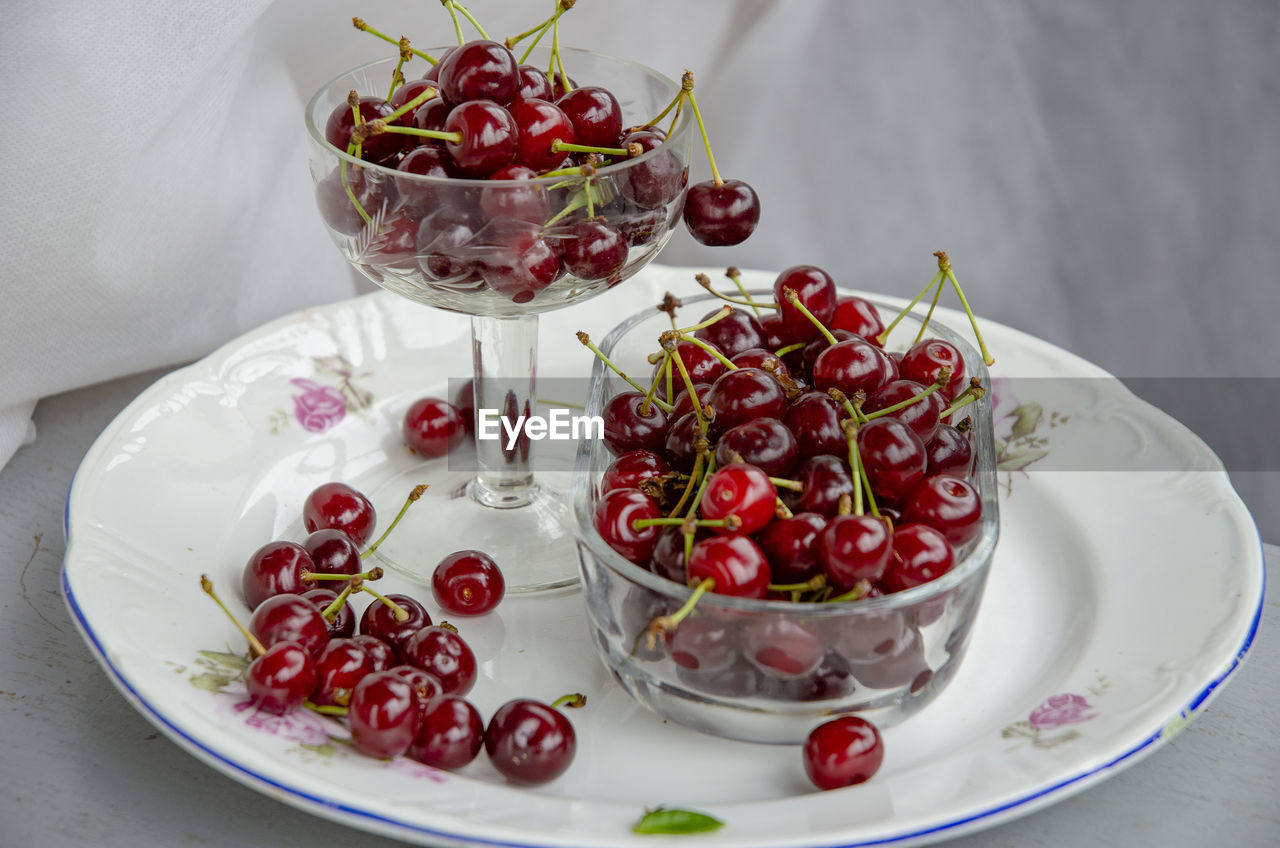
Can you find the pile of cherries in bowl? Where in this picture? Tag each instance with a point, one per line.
(812, 537)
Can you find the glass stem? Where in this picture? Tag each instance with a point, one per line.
(504, 357)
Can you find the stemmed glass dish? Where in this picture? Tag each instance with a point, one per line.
(499, 251)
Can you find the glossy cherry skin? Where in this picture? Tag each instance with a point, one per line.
(337, 506)
(450, 734)
(380, 149)
(379, 620)
(824, 479)
(614, 519)
(668, 553)
(774, 329)
(721, 215)
(333, 552)
(815, 289)
(893, 456)
(529, 742)
(704, 643)
(764, 442)
(534, 84)
(343, 625)
(426, 684)
(511, 195)
(406, 92)
(683, 404)
(384, 715)
(628, 426)
(734, 562)
(743, 491)
(947, 504)
(702, 365)
(282, 678)
(593, 250)
(736, 332)
(950, 453)
(339, 668)
(631, 469)
(432, 427)
(488, 138)
(857, 315)
(595, 114)
(655, 181)
(782, 648)
(920, 554)
(431, 116)
(851, 366)
(444, 654)
(468, 583)
(479, 70)
(540, 125)
(276, 568)
(843, 752)
(926, 358)
(382, 655)
(745, 394)
(810, 352)
(290, 618)
(923, 416)
(788, 544)
(817, 417)
(853, 548)
(520, 262)
(766, 360)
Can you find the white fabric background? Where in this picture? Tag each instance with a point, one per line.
(1105, 175)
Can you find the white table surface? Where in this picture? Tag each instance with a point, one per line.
(81, 768)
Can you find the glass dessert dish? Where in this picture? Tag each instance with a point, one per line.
(772, 670)
(501, 251)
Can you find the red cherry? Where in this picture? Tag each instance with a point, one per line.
(765, 443)
(433, 427)
(512, 196)
(383, 715)
(923, 416)
(853, 548)
(488, 137)
(343, 625)
(406, 92)
(276, 568)
(744, 394)
(540, 125)
(734, 562)
(852, 366)
(382, 655)
(381, 149)
(529, 742)
(534, 84)
(655, 181)
(815, 289)
(823, 480)
(926, 358)
(340, 666)
(337, 506)
(290, 618)
(631, 469)
(788, 544)
(426, 684)
(893, 456)
(843, 752)
(614, 517)
(333, 552)
(468, 583)
(450, 735)
(947, 504)
(920, 554)
(593, 250)
(479, 70)
(859, 316)
(595, 114)
(741, 490)
(950, 453)
(520, 261)
(817, 417)
(721, 215)
(379, 620)
(765, 360)
(443, 653)
(628, 427)
(282, 678)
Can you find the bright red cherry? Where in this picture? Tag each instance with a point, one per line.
(893, 456)
(631, 469)
(383, 715)
(488, 137)
(815, 289)
(852, 366)
(450, 734)
(443, 653)
(734, 562)
(745, 394)
(765, 360)
(857, 315)
(817, 417)
(479, 70)
(683, 405)
(342, 625)
(540, 125)
(340, 666)
(290, 618)
(920, 554)
(593, 250)
(629, 426)
(843, 752)
(406, 92)
(282, 678)
(721, 215)
(276, 568)
(743, 491)
(529, 742)
(926, 358)
(853, 548)
(702, 365)
(534, 84)
(468, 583)
(337, 506)
(595, 114)
(333, 552)
(426, 684)
(433, 427)
(614, 519)
(923, 415)
(382, 655)
(824, 479)
(947, 504)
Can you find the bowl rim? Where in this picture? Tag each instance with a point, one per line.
(681, 132)
(974, 563)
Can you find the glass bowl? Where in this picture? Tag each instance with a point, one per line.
(883, 658)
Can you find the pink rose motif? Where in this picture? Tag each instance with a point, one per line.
(1059, 710)
(318, 407)
(302, 726)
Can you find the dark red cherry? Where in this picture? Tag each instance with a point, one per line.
(771, 323)
(632, 468)
(432, 427)
(529, 742)
(683, 404)
(703, 367)
(468, 583)
(668, 553)
(823, 480)
(654, 181)
(559, 86)
(852, 366)
(950, 453)
(764, 442)
(290, 618)
(443, 653)
(854, 548)
(337, 506)
(540, 125)
(921, 416)
(382, 655)
(512, 196)
(721, 215)
(333, 552)
(745, 394)
(520, 262)
(426, 684)
(593, 249)
(379, 620)
(479, 70)
(595, 114)
(743, 491)
(765, 360)
(781, 647)
(384, 715)
(947, 504)
(370, 190)
(926, 358)
(628, 426)
(340, 666)
(433, 72)
(614, 517)
(282, 678)
(450, 734)
(736, 332)
(445, 240)
(817, 418)
(843, 752)
(810, 352)
(406, 92)
(893, 456)
(342, 625)
(920, 554)
(641, 228)
(432, 116)
(380, 149)
(815, 289)
(857, 315)
(734, 562)
(276, 568)
(704, 643)
(788, 544)
(488, 137)
(534, 84)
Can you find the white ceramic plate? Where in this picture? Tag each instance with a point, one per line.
(1120, 600)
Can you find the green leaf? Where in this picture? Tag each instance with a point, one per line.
(668, 820)
(324, 749)
(210, 681)
(235, 662)
(1021, 459)
(1026, 419)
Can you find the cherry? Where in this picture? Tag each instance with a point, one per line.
(337, 506)
(432, 116)
(520, 262)
(534, 84)
(290, 618)
(823, 479)
(736, 332)
(382, 655)
(852, 366)
(426, 684)
(614, 517)
(433, 72)
(703, 366)
(734, 562)
(380, 149)
(764, 442)
(771, 323)
(540, 125)
(871, 636)
(947, 504)
(892, 455)
(810, 352)
(721, 215)
(383, 715)
(743, 491)
(667, 559)
(371, 192)
(433, 427)
(654, 181)
(464, 400)
(765, 360)
(843, 752)
(595, 114)
(782, 648)
(340, 666)
(379, 620)
(467, 583)
(744, 394)
(488, 137)
(631, 469)
(926, 358)
(443, 653)
(511, 196)
(815, 290)
(949, 453)
(832, 679)
(923, 416)
(629, 426)
(333, 552)
(920, 554)
(817, 417)
(479, 70)
(281, 678)
(450, 734)
(276, 568)
(857, 315)
(788, 544)
(703, 643)
(403, 94)
(683, 405)
(529, 742)
(343, 625)
(740, 680)
(853, 548)
(641, 228)
(444, 240)
(593, 250)
(558, 86)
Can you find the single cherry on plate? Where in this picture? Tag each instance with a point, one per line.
(337, 506)
(276, 568)
(529, 743)
(383, 715)
(432, 427)
(843, 752)
(282, 678)
(721, 215)
(450, 734)
(468, 583)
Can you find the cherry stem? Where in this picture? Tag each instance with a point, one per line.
(457, 25)
(426, 94)
(371, 574)
(576, 171)
(466, 13)
(782, 483)
(541, 30)
(397, 75)
(705, 281)
(557, 63)
(675, 102)
(850, 428)
(697, 499)
(944, 265)
(725, 312)
(573, 701)
(669, 345)
(735, 275)
(944, 375)
(794, 300)
(359, 24)
(854, 410)
(928, 316)
(781, 510)
(686, 87)
(675, 119)
(664, 624)
(866, 483)
(401, 613)
(590, 345)
(859, 591)
(791, 348)
(416, 493)
(968, 396)
(378, 126)
(353, 149)
(633, 149)
(688, 486)
(254, 645)
(811, 585)
(729, 522)
(697, 342)
(326, 709)
(653, 387)
(903, 314)
(330, 612)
